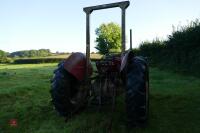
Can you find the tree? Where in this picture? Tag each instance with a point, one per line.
(4, 58)
(108, 38)
(3, 53)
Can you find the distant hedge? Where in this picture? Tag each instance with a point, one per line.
(180, 52)
(41, 60)
(37, 61)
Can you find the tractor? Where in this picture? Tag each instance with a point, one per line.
(76, 84)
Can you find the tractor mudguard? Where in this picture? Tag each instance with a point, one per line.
(125, 59)
(76, 65)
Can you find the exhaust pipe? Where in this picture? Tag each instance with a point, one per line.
(130, 39)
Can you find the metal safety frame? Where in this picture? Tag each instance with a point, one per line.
(88, 10)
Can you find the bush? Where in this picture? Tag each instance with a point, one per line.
(6, 60)
(152, 50)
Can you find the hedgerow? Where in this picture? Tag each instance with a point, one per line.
(41, 60)
(180, 52)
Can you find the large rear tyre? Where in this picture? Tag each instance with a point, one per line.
(64, 89)
(137, 92)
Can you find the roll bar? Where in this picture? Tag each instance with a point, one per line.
(88, 10)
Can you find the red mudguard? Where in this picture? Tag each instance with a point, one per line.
(126, 59)
(76, 65)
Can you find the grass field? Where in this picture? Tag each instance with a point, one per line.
(24, 96)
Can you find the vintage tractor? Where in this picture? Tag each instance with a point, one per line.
(75, 84)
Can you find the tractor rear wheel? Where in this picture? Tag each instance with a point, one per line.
(137, 92)
(64, 87)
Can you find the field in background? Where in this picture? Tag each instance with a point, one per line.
(64, 56)
(24, 96)
(92, 56)
(49, 59)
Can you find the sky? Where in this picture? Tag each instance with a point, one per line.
(59, 25)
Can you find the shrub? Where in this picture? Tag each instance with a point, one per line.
(6, 60)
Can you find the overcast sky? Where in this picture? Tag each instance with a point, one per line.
(59, 25)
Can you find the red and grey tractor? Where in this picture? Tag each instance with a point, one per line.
(75, 83)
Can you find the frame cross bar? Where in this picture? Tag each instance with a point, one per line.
(122, 5)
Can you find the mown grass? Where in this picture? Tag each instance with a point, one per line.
(24, 96)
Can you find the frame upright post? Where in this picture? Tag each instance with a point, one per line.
(87, 43)
(123, 30)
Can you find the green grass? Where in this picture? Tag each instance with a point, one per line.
(24, 96)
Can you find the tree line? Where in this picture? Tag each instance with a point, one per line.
(6, 57)
(26, 53)
(31, 53)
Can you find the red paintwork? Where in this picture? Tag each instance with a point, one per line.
(76, 65)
